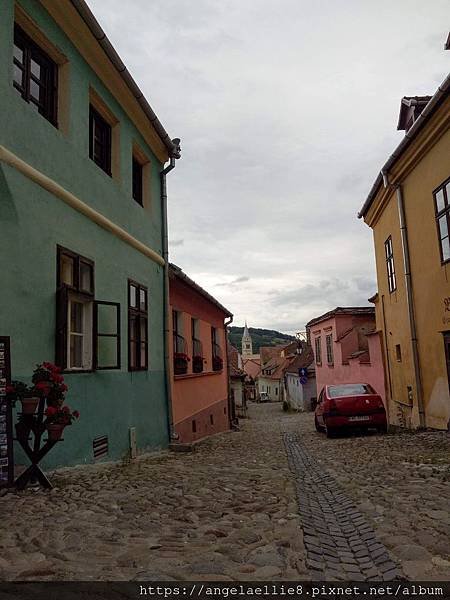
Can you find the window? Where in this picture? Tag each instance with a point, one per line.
(137, 327)
(217, 360)
(197, 348)
(87, 331)
(99, 140)
(180, 351)
(392, 283)
(35, 76)
(442, 209)
(350, 389)
(138, 191)
(398, 352)
(247, 346)
(318, 349)
(329, 344)
(75, 307)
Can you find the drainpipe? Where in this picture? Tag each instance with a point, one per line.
(231, 411)
(166, 300)
(410, 303)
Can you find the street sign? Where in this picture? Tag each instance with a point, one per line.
(6, 438)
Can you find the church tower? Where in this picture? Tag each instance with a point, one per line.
(247, 345)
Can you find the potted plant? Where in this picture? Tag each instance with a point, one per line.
(217, 363)
(197, 363)
(57, 419)
(180, 363)
(49, 384)
(26, 395)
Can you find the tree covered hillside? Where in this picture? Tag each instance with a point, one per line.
(260, 337)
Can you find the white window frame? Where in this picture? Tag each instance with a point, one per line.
(87, 329)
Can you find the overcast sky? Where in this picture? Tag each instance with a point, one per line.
(286, 109)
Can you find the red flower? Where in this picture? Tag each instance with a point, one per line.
(50, 411)
(66, 409)
(43, 387)
(10, 389)
(76, 414)
(57, 378)
(64, 387)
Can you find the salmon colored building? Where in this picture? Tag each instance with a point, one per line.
(347, 348)
(199, 365)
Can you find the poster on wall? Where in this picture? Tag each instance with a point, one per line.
(6, 438)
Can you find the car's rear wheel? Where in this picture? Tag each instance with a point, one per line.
(331, 433)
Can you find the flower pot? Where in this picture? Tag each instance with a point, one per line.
(29, 405)
(55, 431)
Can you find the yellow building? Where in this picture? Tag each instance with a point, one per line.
(408, 209)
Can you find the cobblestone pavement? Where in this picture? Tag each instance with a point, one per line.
(227, 511)
(339, 542)
(401, 484)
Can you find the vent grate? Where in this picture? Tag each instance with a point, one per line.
(100, 447)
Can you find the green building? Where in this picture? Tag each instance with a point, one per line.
(83, 241)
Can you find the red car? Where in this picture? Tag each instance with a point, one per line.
(349, 405)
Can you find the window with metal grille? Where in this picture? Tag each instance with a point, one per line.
(217, 359)
(329, 343)
(390, 266)
(442, 210)
(137, 327)
(318, 349)
(35, 76)
(197, 347)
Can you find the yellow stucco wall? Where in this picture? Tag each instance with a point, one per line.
(424, 166)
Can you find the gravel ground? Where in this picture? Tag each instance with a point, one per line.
(224, 512)
(228, 511)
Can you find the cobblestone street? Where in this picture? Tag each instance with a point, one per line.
(369, 506)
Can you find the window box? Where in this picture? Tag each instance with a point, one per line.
(180, 363)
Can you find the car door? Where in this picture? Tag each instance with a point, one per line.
(319, 408)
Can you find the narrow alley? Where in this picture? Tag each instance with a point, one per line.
(229, 510)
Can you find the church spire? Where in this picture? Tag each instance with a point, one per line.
(247, 345)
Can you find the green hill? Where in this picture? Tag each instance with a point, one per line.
(260, 337)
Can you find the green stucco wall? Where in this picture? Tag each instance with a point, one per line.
(33, 222)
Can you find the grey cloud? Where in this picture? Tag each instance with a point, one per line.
(242, 279)
(282, 138)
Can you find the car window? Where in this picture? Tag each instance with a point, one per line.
(350, 389)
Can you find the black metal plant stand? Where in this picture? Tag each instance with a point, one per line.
(33, 423)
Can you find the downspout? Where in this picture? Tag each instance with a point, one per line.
(410, 303)
(231, 411)
(166, 299)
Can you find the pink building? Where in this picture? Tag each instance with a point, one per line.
(347, 348)
(199, 391)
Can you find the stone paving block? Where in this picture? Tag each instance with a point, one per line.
(339, 541)
(391, 575)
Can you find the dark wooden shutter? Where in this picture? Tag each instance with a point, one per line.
(111, 334)
(61, 328)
